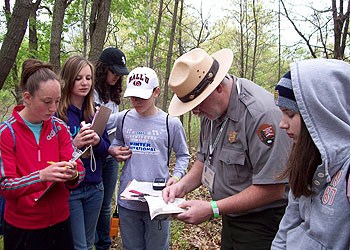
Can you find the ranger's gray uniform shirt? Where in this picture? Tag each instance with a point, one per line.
(252, 148)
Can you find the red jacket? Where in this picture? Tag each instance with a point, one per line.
(19, 171)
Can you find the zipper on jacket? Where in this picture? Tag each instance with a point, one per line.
(39, 155)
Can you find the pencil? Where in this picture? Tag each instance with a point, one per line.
(52, 162)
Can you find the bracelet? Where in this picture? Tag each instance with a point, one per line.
(76, 176)
(215, 208)
(175, 177)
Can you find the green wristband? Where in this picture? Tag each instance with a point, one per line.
(215, 208)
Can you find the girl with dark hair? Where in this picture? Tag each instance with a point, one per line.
(110, 69)
(314, 101)
(36, 149)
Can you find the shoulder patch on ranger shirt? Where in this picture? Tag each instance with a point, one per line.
(266, 134)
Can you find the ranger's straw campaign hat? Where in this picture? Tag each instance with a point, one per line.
(195, 76)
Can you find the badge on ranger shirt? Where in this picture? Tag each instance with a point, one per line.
(266, 134)
(232, 136)
(208, 175)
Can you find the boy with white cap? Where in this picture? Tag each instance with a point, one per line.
(144, 139)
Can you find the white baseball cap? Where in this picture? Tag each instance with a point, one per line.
(140, 83)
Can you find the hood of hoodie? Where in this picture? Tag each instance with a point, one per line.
(322, 91)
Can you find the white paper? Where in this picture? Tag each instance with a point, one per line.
(157, 206)
(142, 187)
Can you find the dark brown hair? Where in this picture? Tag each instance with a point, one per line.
(302, 163)
(33, 73)
(105, 91)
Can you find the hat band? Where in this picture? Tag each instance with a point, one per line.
(208, 79)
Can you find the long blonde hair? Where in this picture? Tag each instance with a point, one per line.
(68, 74)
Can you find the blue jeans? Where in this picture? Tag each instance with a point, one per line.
(109, 176)
(85, 203)
(139, 232)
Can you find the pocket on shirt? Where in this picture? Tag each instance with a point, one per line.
(298, 238)
(233, 166)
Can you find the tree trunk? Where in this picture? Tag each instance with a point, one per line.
(279, 41)
(7, 9)
(179, 42)
(98, 27)
(241, 52)
(156, 33)
(341, 25)
(85, 36)
(189, 135)
(181, 51)
(345, 30)
(169, 56)
(33, 34)
(56, 33)
(246, 36)
(255, 46)
(12, 41)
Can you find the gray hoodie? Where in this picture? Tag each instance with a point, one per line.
(322, 221)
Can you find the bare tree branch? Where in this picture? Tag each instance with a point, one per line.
(307, 41)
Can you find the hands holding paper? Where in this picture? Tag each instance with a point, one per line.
(196, 212)
(59, 171)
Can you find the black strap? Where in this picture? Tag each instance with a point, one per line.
(167, 129)
(123, 125)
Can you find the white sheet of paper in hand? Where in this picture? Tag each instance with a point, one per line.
(158, 208)
(142, 187)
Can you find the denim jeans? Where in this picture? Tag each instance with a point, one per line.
(139, 232)
(85, 203)
(109, 176)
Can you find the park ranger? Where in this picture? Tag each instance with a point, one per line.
(241, 152)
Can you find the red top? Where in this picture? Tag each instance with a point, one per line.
(19, 172)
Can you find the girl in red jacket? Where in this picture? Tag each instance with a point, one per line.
(36, 149)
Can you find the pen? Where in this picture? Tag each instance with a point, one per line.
(140, 194)
(135, 192)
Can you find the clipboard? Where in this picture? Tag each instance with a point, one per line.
(100, 120)
(76, 155)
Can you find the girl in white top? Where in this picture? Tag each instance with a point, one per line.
(110, 69)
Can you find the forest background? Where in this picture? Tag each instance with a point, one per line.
(265, 36)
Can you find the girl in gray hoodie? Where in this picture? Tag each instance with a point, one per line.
(315, 101)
